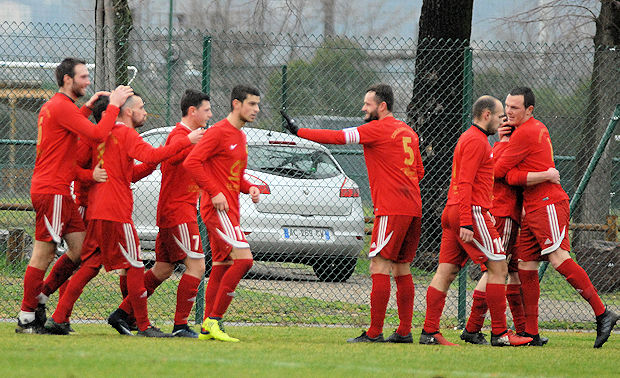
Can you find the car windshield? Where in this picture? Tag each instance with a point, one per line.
(292, 161)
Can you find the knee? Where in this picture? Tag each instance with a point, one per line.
(557, 257)
(162, 271)
(195, 267)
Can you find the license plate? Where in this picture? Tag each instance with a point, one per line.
(306, 233)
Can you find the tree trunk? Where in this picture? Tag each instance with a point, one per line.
(436, 108)
(123, 23)
(604, 95)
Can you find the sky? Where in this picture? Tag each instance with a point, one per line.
(391, 18)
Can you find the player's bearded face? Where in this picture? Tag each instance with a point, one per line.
(371, 115)
(81, 80)
(138, 114)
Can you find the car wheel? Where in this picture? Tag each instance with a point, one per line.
(337, 269)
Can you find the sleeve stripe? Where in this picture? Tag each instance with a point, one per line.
(351, 135)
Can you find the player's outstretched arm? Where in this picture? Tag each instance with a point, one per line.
(290, 125)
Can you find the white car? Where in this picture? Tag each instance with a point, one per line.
(310, 212)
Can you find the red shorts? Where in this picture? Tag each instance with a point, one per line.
(224, 233)
(395, 237)
(90, 254)
(487, 244)
(508, 230)
(118, 242)
(56, 215)
(176, 243)
(543, 231)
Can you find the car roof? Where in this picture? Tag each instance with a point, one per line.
(260, 137)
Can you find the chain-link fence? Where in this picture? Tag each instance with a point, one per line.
(310, 235)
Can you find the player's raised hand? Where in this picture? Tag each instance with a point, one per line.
(95, 97)
(195, 135)
(219, 202)
(99, 174)
(505, 130)
(120, 95)
(290, 123)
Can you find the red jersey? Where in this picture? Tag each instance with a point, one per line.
(178, 194)
(84, 173)
(472, 174)
(529, 150)
(113, 200)
(507, 199)
(60, 122)
(217, 164)
(393, 160)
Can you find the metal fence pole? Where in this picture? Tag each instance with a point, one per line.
(169, 65)
(586, 176)
(284, 93)
(206, 88)
(465, 121)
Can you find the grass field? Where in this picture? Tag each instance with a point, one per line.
(96, 350)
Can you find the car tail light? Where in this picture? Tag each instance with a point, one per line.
(349, 190)
(260, 184)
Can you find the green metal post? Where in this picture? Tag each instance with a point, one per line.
(169, 65)
(465, 123)
(206, 64)
(206, 88)
(586, 176)
(284, 93)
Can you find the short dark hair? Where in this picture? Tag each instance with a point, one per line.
(383, 93)
(192, 97)
(130, 100)
(241, 92)
(66, 67)
(528, 96)
(100, 106)
(483, 103)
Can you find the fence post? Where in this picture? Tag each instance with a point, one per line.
(284, 93)
(586, 176)
(169, 65)
(206, 64)
(465, 122)
(206, 88)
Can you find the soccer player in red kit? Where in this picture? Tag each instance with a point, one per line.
(468, 230)
(178, 239)
(506, 213)
(544, 229)
(110, 227)
(60, 123)
(217, 164)
(392, 154)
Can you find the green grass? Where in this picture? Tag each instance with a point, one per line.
(96, 350)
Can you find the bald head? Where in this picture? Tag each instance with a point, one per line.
(487, 112)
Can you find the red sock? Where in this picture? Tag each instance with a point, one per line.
(61, 271)
(435, 300)
(137, 296)
(515, 302)
(123, 284)
(229, 283)
(33, 280)
(63, 287)
(530, 289)
(72, 293)
(379, 298)
(496, 300)
(186, 296)
(578, 278)
(478, 312)
(213, 285)
(150, 284)
(405, 291)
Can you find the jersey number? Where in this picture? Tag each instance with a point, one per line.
(408, 150)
